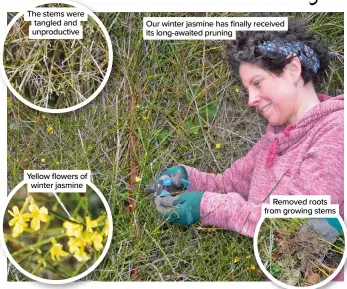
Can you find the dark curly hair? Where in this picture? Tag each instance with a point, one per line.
(245, 49)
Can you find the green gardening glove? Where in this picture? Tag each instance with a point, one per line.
(178, 175)
(171, 181)
(183, 209)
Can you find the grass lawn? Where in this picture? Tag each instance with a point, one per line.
(166, 102)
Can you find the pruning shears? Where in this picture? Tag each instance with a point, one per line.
(168, 186)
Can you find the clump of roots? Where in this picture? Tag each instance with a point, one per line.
(306, 249)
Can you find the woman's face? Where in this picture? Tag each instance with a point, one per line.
(274, 96)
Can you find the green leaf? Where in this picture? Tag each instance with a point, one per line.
(163, 134)
(209, 111)
(276, 269)
(192, 127)
(191, 93)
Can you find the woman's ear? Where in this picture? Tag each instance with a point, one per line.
(294, 68)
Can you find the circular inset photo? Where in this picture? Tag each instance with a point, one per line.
(301, 252)
(56, 237)
(57, 75)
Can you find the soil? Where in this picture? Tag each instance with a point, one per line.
(332, 259)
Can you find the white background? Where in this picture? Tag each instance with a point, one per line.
(148, 6)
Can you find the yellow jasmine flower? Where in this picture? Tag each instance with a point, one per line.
(37, 215)
(57, 252)
(73, 248)
(76, 247)
(96, 239)
(237, 89)
(43, 160)
(138, 179)
(18, 229)
(49, 129)
(17, 216)
(217, 145)
(82, 256)
(236, 259)
(72, 229)
(90, 224)
(76, 244)
(253, 267)
(19, 221)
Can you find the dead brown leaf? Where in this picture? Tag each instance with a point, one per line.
(312, 278)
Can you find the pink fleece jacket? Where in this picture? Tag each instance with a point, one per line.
(307, 155)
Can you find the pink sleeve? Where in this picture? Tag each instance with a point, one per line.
(236, 179)
(231, 212)
(321, 173)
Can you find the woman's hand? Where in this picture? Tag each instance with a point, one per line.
(178, 175)
(183, 209)
(172, 180)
